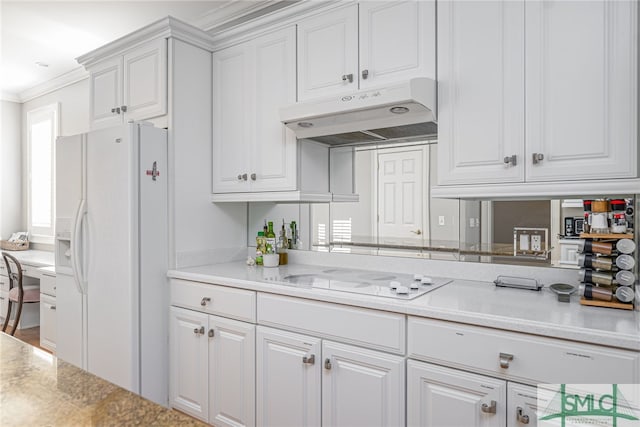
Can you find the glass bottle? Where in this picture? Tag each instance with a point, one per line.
(270, 246)
(283, 246)
(261, 243)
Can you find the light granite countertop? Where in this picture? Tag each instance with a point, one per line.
(465, 301)
(37, 389)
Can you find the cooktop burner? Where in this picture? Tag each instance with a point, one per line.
(401, 286)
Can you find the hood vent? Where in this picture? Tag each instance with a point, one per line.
(402, 112)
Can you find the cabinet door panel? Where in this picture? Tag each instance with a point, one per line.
(362, 387)
(145, 81)
(273, 148)
(327, 50)
(48, 322)
(522, 405)
(481, 91)
(189, 362)
(232, 88)
(231, 373)
(288, 390)
(581, 89)
(105, 86)
(438, 397)
(397, 41)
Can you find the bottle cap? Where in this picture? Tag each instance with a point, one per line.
(624, 294)
(625, 278)
(625, 262)
(625, 246)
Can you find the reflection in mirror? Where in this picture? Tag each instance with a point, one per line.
(395, 216)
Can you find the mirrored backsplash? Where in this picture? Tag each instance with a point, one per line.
(395, 216)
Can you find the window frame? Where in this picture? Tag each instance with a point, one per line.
(51, 111)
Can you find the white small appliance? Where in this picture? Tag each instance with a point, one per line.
(111, 256)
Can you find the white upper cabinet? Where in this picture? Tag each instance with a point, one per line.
(364, 45)
(397, 41)
(132, 86)
(581, 90)
(328, 53)
(537, 92)
(481, 91)
(252, 150)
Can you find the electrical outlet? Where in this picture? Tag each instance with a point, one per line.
(536, 243)
(441, 220)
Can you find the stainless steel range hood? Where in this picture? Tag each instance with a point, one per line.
(399, 112)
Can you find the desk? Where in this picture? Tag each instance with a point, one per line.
(35, 264)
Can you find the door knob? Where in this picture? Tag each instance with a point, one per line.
(346, 77)
(510, 160)
(244, 176)
(490, 408)
(537, 158)
(365, 74)
(211, 333)
(253, 177)
(310, 360)
(204, 301)
(327, 364)
(124, 108)
(199, 331)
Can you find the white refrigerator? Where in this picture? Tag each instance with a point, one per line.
(112, 257)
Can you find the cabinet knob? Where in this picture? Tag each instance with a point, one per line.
(53, 307)
(511, 160)
(124, 108)
(365, 74)
(211, 333)
(521, 416)
(116, 110)
(253, 177)
(346, 77)
(310, 360)
(327, 364)
(505, 358)
(239, 177)
(199, 331)
(244, 176)
(537, 158)
(205, 301)
(490, 408)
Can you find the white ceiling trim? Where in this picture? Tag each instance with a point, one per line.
(49, 86)
(228, 12)
(11, 97)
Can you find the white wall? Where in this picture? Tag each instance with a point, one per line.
(10, 169)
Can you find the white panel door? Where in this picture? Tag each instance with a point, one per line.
(232, 94)
(397, 41)
(439, 397)
(145, 81)
(327, 52)
(522, 404)
(189, 365)
(581, 93)
(105, 93)
(288, 379)
(232, 350)
(480, 92)
(361, 387)
(48, 322)
(401, 183)
(273, 145)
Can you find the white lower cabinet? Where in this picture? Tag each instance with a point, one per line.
(522, 405)
(298, 374)
(438, 396)
(212, 367)
(48, 322)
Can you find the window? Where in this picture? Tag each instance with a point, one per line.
(42, 130)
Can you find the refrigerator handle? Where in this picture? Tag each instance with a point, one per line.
(76, 262)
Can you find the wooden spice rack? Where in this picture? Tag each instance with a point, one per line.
(614, 303)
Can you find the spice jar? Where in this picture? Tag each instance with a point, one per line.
(618, 216)
(590, 276)
(589, 291)
(593, 261)
(589, 246)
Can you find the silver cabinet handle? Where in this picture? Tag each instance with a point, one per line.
(253, 177)
(365, 74)
(505, 358)
(244, 176)
(346, 77)
(116, 110)
(124, 108)
(205, 301)
(199, 331)
(211, 333)
(418, 231)
(309, 360)
(327, 364)
(489, 409)
(511, 160)
(521, 416)
(239, 177)
(537, 158)
(53, 307)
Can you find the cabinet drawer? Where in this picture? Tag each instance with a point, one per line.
(48, 285)
(48, 323)
(221, 300)
(534, 359)
(361, 326)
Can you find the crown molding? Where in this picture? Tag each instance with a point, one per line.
(63, 80)
(11, 97)
(165, 27)
(229, 12)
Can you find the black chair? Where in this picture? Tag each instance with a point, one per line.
(17, 294)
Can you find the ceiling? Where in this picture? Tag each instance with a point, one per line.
(53, 33)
